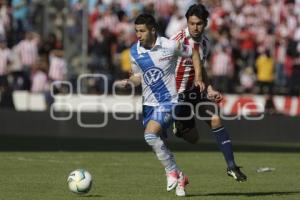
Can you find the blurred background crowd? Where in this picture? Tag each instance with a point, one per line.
(255, 44)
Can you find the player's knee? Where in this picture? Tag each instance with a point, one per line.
(216, 121)
(183, 128)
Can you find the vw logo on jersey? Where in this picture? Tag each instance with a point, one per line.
(153, 75)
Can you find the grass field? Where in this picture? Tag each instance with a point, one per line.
(139, 176)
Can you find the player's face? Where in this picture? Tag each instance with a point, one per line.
(144, 35)
(196, 26)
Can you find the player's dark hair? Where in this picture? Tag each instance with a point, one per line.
(146, 19)
(198, 10)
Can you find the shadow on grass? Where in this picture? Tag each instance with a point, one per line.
(91, 196)
(247, 194)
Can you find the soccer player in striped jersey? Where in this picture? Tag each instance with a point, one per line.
(193, 35)
(27, 49)
(58, 66)
(5, 60)
(153, 61)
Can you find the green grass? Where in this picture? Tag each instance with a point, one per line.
(139, 176)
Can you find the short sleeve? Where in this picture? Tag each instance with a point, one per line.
(184, 50)
(134, 66)
(178, 37)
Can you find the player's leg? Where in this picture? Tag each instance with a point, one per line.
(209, 112)
(184, 123)
(186, 130)
(154, 126)
(162, 153)
(225, 146)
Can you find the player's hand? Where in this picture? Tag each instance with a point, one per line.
(122, 83)
(214, 95)
(200, 84)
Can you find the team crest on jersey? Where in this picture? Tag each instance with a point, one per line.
(153, 75)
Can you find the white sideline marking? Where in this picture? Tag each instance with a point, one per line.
(41, 160)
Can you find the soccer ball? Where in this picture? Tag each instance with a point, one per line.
(79, 181)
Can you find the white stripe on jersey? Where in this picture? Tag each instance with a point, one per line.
(185, 70)
(108, 22)
(28, 51)
(39, 82)
(5, 55)
(157, 67)
(57, 69)
(221, 64)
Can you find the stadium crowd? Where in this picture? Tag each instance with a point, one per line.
(255, 44)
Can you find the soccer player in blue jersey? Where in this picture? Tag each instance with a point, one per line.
(193, 35)
(153, 61)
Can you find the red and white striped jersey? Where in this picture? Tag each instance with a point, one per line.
(28, 51)
(185, 72)
(221, 63)
(109, 22)
(5, 56)
(57, 68)
(39, 82)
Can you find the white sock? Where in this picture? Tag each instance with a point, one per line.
(162, 152)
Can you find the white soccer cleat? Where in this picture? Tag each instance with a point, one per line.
(172, 180)
(182, 182)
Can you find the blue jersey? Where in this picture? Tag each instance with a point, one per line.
(156, 67)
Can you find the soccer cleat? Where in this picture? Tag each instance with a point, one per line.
(237, 174)
(172, 180)
(182, 182)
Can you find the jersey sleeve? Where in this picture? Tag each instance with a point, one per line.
(178, 37)
(135, 69)
(183, 50)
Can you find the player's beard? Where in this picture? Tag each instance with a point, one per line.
(149, 42)
(197, 37)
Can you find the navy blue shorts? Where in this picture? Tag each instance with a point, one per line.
(199, 106)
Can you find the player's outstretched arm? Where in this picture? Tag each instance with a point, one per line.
(134, 80)
(198, 67)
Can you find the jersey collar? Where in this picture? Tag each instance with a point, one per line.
(158, 44)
